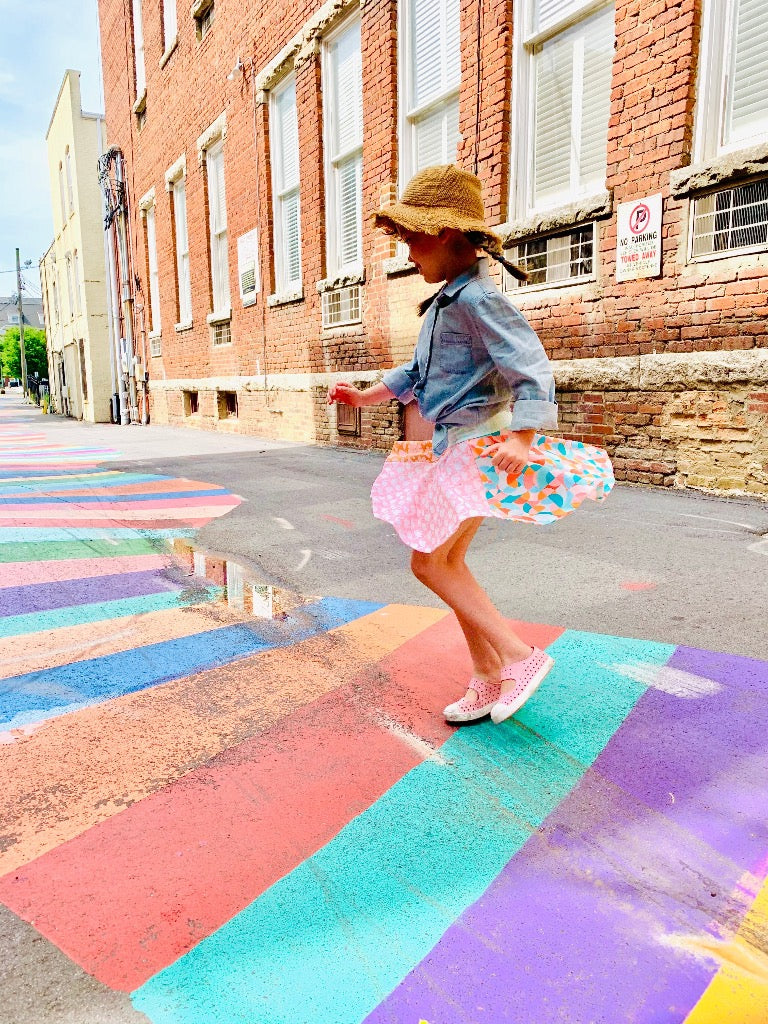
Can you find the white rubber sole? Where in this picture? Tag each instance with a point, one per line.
(500, 711)
(467, 716)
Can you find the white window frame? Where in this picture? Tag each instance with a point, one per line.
(714, 86)
(445, 100)
(62, 193)
(339, 157)
(528, 39)
(181, 233)
(170, 24)
(70, 292)
(282, 194)
(140, 79)
(217, 226)
(150, 228)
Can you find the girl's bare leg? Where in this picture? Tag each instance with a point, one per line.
(444, 571)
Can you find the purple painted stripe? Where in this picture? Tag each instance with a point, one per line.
(67, 593)
(581, 924)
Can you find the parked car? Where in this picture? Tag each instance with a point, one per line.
(14, 382)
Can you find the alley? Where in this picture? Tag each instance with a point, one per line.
(217, 814)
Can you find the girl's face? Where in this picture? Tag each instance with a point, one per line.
(428, 253)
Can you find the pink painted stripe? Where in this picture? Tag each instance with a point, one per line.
(101, 487)
(19, 574)
(112, 521)
(153, 505)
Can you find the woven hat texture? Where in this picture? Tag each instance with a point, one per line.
(440, 197)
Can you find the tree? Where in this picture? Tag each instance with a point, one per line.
(34, 350)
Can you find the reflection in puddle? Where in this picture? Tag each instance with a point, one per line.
(242, 589)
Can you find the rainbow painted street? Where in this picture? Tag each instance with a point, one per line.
(232, 818)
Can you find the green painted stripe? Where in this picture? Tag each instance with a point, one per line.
(330, 940)
(51, 551)
(37, 622)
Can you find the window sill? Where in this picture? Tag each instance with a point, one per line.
(560, 218)
(167, 55)
(221, 316)
(525, 289)
(727, 169)
(141, 102)
(154, 335)
(341, 280)
(398, 265)
(283, 298)
(199, 7)
(186, 325)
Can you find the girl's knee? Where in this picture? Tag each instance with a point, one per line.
(423, 566)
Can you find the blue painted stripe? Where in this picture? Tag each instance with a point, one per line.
(39, 622)
(37, 696)
(21, 474)
(110, 499)
(37, 534)
(329, 940)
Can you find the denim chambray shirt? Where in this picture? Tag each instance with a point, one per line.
(475, 355)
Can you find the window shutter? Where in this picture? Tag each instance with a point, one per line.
(552, 128)
(747, 111)
(596, 101)
(345, 55)
(350, 188)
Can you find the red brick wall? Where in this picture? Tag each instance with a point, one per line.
(718, 305)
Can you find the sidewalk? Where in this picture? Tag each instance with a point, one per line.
(212, 816)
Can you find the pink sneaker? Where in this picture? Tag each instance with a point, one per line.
(466, 710)
(527, 674)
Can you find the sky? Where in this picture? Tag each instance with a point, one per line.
(39, 41)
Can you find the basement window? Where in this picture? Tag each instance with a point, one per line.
(557, 260)
(191, 403)
(342, 306)
(348, 421)
(734, 220)
(227, 402)
(221, 333)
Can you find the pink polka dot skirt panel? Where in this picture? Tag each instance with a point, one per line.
(426, 499)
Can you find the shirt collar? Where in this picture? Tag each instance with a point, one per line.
(449, 291)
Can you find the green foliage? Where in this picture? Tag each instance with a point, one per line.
(34, 350)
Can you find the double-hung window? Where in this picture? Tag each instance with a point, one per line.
(284, 131)
(343, 113)
(170, 24)
(182, 250)
(217, 208)
(430, 77)
(732, 87)
(138, 49)
(563, 63)
(154, 277)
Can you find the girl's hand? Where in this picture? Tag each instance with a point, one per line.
(345, 393)
(511, 455)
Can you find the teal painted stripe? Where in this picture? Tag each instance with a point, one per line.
(35, 534)
(38, 622)
(57, 550)
(330, 940)
(74, 483)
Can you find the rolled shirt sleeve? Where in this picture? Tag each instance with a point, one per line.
(401, 380)
(520, 358)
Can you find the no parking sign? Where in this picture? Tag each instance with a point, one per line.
(638, 242)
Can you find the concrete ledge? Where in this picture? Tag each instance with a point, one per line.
(562, 218)
(270, 382)
(744, 163)
(676, 370)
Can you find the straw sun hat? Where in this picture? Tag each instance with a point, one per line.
(440, 197)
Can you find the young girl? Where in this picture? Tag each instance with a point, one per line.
(475, 357)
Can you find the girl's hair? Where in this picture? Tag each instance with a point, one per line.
(480, 241)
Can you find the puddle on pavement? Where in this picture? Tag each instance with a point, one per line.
(242, 590)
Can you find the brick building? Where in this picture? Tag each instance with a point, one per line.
(624, 155)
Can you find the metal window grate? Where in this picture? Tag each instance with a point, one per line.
(191, 403)
(155, 347)
(558, 259)
(227, 404)
(732, 220)
(203, 22)
(342, 306)
(222, 333)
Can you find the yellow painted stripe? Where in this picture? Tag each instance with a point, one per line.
(738, 993)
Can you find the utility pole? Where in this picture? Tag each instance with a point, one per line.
(21, 326)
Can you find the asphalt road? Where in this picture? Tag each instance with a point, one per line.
(674, 566)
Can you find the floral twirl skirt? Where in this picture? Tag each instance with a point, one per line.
(427, 498)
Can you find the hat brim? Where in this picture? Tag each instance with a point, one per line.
(430, 220)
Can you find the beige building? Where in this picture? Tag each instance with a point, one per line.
(73, 272)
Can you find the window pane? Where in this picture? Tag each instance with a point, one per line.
(154, 284)
(182, 250)
(546, 12)
(287, 139)
(553, 114)
(291, 238)
(169, 22)
(347, 90)
(138, 47)
(436, 56)
(437, 136)
(596, 102)
(747, 111)
(349, 185)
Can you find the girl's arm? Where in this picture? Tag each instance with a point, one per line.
(348, 394)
